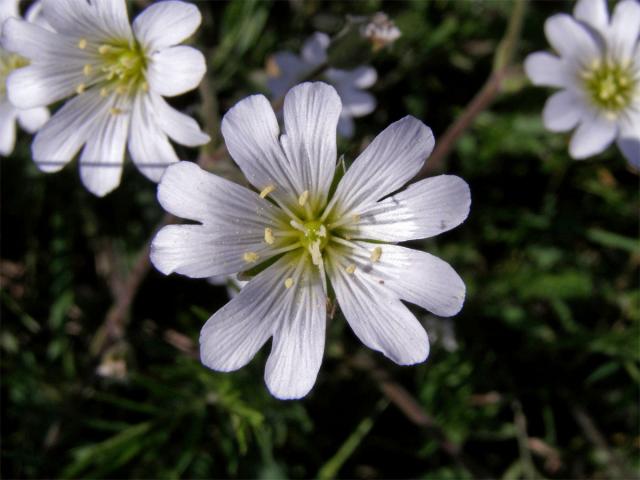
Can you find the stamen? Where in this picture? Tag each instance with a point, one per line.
(288, 283)
(376, 254)
(104, 49)
(266, 190)
(268, 236)
(298, 226)
(87, 70)
(250, 257)
(316, 254)
(351, 269)
(322, 232)
(80, 89)
(302, 199)
(104, 92)
(145, 86)
(82, 43)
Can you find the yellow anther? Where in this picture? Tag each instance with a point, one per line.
(104, 92)
(302, 199)
(104, 49)
(266, 191)
(250, 257)
(268, 236)
(82, 43)
(376, 254)
(316, 254)
(322, 232)
(80, 89)
(87, 69)
(351, 269)
(121, 90)
(288, 283)
(145, 86)
(115, 111)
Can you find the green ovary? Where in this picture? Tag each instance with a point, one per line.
(314, 232)
(610, 85)
(120, 68)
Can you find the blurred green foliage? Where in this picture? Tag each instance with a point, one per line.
(540, 379)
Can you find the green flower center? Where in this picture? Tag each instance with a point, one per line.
(315, 233)
(610, 86)
(118, 67)
(8, 63)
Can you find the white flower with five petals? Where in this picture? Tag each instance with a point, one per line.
(598, 72)
(288, 69)
(117, 75)
(30, 119)
(305, 234)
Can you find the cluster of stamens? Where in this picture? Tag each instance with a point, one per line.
(315, 235)
(117, 68)
(610, 85)
(8, 63)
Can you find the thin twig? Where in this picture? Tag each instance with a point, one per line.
(520, 422)
(414, 412)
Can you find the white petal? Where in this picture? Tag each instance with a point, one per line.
(425, 209)
(357, 103)
(41, 85)
(562, 111)
(414, 276)
(391, 160)
(250, 130)
(314, 50)
(164, 24)
(33, 119)
(361, 77)
(7, 128)
(175, 70)
(625, 29)
(217, 247)
(593, 135)
(629, 139)
(36, 43)
(100, 20)
(188, 191)
(311, 112)
(231, 337)
(62, 136)
(546, 69)
(298, 342)
(103, 155)
(8, 8)
(148, 145)
(571, 39)
(199, 252)
(179, 127)
(346, 126)
(592, 12)
(378, 317)
(288, 69)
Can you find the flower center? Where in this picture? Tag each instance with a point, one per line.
(8, 63)
(610, 86)
(117, 67)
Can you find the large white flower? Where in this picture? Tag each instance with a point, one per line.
(30, 119)
(304, 237)
(117, 76)
(288, 69)
(598, 70)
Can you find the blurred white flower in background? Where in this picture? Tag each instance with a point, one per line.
(286, 69)
(30, 119)
(117, 76)
(598, 72)
(303, 231)
(380, 30)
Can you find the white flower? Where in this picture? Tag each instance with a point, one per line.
(117, 76)
(598, 71)
(380, 31)
(30, 119)
(287, 70)
(307, 236)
